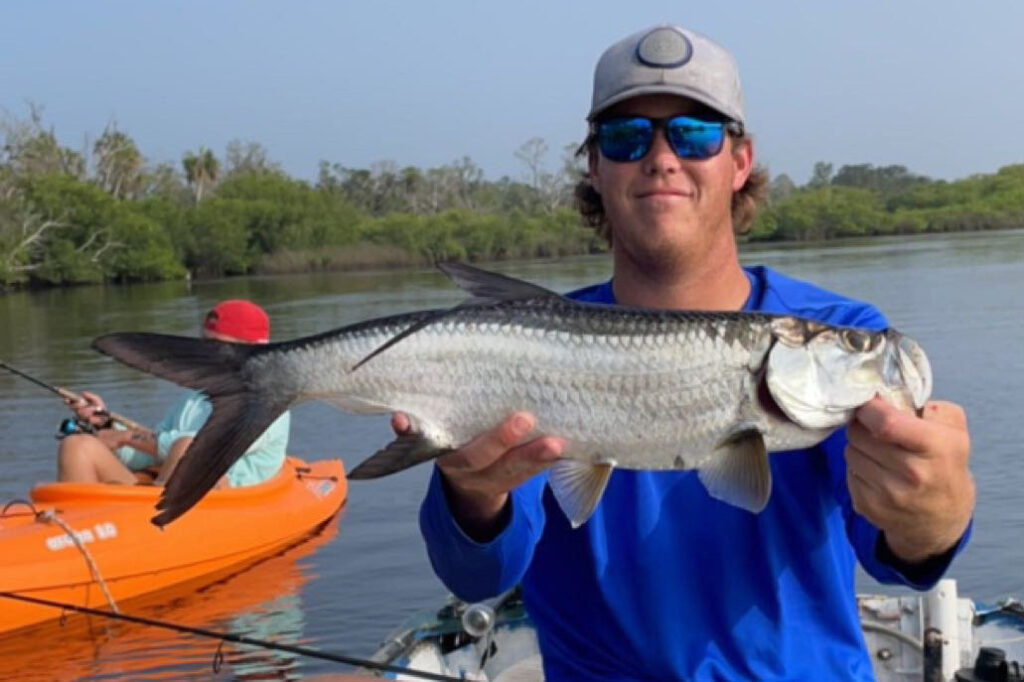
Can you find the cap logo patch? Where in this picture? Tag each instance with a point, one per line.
(664, 48)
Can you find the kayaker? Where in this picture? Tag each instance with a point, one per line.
(664, 582)
(116, 455)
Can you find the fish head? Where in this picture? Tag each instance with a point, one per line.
(818, 374)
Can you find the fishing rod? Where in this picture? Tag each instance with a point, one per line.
(238, 639)
(71, 396)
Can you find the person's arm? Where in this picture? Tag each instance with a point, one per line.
(174, 454)
(92, 410)
(482, 515)
(181, 421)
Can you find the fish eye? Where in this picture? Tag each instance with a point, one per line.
(857, 341)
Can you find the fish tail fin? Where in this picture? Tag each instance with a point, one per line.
(240, 411)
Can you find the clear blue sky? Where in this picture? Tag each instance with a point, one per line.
(937, 86)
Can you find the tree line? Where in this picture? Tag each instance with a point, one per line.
(106, 213)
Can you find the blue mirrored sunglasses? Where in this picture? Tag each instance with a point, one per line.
(629, 138)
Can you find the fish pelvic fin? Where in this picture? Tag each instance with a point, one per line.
(240, 413)
(407, 450)
(484, 288)
(738, 471)
(578, 487)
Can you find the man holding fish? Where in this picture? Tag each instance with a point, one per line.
(664, 581)
(671, 545)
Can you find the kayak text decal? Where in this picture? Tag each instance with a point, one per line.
(101, 531)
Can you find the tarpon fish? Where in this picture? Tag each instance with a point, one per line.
(624, 387)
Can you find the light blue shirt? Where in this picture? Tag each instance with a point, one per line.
(260, 462)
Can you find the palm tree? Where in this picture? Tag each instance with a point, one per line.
(118, 163)
(200, 170)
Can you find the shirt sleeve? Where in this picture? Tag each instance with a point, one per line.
(473, 570)
(182, 420)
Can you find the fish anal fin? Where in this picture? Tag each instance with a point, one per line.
(738, 472)
(407, 450)
(578, 487)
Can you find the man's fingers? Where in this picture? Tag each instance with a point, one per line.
(888, 456)
(483, 450)
(942, 412)
(524, 462)
(892, 425)
(400, 422)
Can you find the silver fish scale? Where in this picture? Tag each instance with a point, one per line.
(650, 390)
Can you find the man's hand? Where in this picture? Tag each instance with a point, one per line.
(113, 438)
(908, 475)
(90, 409)
(480, 475)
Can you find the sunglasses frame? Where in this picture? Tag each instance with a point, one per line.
(728, 127)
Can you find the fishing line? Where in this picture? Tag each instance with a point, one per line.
(238, 639)
(74, 397)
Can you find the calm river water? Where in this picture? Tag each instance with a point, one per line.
(961, 297)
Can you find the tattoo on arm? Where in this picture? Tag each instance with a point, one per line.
(143, 441)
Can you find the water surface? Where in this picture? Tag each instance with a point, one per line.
(960, 296)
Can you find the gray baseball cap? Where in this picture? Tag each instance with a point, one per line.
(671, 60)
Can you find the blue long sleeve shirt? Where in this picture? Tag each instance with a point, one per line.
(666, 583)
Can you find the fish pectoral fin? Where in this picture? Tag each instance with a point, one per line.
(578, 487)
(738, 472)
(407, 450)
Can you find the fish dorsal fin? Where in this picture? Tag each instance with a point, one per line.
(578, 487)
(483, 287)
(738, 471)
(486, 287)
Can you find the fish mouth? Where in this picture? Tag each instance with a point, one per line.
(910, 361)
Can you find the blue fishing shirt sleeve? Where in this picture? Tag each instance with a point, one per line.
(473, 570)
(665, 582)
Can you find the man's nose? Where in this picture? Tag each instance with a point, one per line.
(660, 158)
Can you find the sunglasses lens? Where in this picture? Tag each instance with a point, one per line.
(691, 138)
(624, 139)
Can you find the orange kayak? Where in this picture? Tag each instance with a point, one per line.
(228, 528)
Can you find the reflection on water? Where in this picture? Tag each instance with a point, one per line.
(263, 600)
(961, 296)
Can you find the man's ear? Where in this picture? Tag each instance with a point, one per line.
(742, 161)
(592, 167)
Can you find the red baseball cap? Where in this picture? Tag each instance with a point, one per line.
(239, 319)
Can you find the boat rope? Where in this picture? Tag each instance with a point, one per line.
(237, 639)
(51, 516)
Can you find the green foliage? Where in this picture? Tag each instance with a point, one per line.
(105, 214)
(826, 213)
(866, 200)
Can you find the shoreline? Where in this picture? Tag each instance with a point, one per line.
(395, 260)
